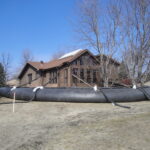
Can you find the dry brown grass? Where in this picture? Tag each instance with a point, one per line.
(74, 126)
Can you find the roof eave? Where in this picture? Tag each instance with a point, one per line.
(20, 74)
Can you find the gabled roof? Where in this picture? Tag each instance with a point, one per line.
(67, 58)
(57, 62)
(36, 65)
(70, 53)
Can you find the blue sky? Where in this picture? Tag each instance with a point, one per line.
(43, 26)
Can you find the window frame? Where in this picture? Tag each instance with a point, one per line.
(95, 76)
(82, 75)
(53, 77)
(88, 76)
(29, 78)
(66, 75)
(75, 72)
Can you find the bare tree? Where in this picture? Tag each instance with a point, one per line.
(136, 28)
(26, 56)
(100, 31)
(6, 62)
(61, 51)
(57, 55)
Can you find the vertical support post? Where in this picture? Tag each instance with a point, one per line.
(69, 76)
(14, 97)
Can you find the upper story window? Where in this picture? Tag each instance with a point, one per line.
(75, 62)
(81, 60)
(94, 76)
(81, 74)
(75, 72)
(89, 76)
(30, 78)
(87, 59)
(92, 61)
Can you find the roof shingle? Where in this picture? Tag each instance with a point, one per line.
(56, 62)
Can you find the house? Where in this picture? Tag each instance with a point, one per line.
(70, 70)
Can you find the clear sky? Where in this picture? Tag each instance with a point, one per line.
(43, 26)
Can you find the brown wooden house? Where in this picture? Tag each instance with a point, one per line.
(63, 72)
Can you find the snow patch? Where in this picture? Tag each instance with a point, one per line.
(70, 54)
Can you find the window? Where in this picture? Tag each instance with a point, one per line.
(91, 62)
(44, 74)
(50, 77)
(86, 59)
(53, 77)
(30, 78)
(81, 60)
(94, 76)
(75, 72)
(75, 62)
(81, 75)
(88, 76)
(66, 75)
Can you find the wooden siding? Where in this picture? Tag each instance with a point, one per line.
(84, 63)
(36, 79)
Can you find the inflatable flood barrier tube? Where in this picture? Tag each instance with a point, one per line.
(87, 95)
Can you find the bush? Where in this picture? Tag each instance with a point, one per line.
(2, 76)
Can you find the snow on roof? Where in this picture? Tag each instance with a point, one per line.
(70, 53)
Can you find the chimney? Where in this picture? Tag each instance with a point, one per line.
(41, 63)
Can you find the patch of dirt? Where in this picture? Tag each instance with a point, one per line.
(74, 126)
